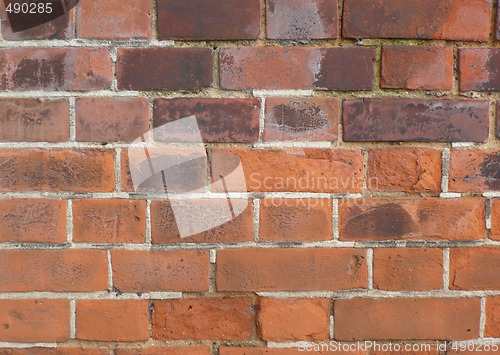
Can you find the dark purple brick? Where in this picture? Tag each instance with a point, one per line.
(479, 69)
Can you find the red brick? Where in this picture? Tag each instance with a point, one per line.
(285, 320)
(290, 170)
(82, 170)
(290, 269)
(30, 321)
(404, 169)
(495, 219)
(111, 119)
(498, 119)
(475, 268)
(144, 271)
(474, 170)
(492, 329)
(478, 69)
(407, 318)
(109, 221)
(394, 119)
(55, 69)
(247, 68)
(417, 68)
(301, 19)
(174, 350)
(219, 120)
(56, 351)
(422, 349)
(208, 19)
(164, 68)
(34, 120)
(295, 220)
(114, 19)
(224, 318)
(466, 20)
(454, 349)
(407, 269)
(53, 270)
(202, 214)
(112, 320)
(415, 219)
(308, 119)
(312, 349)
(33, 220)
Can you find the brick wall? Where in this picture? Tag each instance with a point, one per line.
(386, 110)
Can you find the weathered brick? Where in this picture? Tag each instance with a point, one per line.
(312, 349)
(492, 328)
(112, 320)
(81, 170)
(478, 69)
(55, 351)
(224, 318)
(407, 318)
(393, 119)
(247, 68)
(111, 119)
(475, 268)
(417, 68)
(498, 119)
(171, 350)
(114, 19)
(404, 169)
(290, 269)
(208, 19)
(202, 214)
(285, 320)
(144, 271)
(295, 220)
(466, 20)
(34, 120)
(416, 219)
(33, 220)
(308, 119)
(53, 270)
(430, 350)
(164, 68)
(301, 19)
(454, 349)
(289, 170)
(407, 269)
(55, 69)
(495, 219)
(474, 170)
(109, 221)
(219, 120)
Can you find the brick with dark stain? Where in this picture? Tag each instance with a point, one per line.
(479, 69)
(474, 170)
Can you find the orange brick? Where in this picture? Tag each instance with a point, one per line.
(475, 268)
(492, 329)
(474, 170)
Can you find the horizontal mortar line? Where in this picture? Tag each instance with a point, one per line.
(290, 144)
(4, 344)
(97, 295)
(298, 344)
(66, 94)
(75, 43)
(283, 93)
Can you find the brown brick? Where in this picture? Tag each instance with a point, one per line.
(56, 351)
(202, 214)
(283, 320)
(295, 220)
(145, 271)
(81, 170)
(408, 269)
(55, 69)
(407, 318)
(495, 219)
(247, 68)
(301, 19)
(112, 320)
(393, 119)
(310, 348)
(224, 318)
(219, 120)
(417, 68)
(53, 270)
(114, 19)
(30, 321)
(474, 170)
(34, 120)
(172, 350)
(208, 19)
(111, 119)
(33, 220)
(164, 68)
(308, 119)
(404, 169)
(475, 268)
(492, 328)
(109, 221)
(478, 69)
(466, 20)
(290, 269)
(290, 170)
(416, 219)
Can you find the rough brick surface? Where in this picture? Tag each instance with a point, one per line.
(171, 350)
(474, 170)
(495, 219)
(492, 328)
(54, 351)
(475, 268)
(478, 69)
